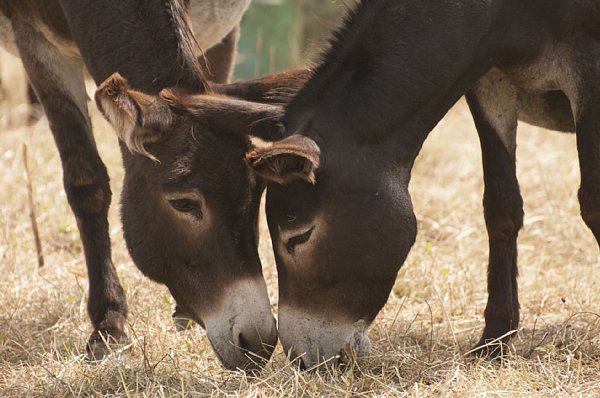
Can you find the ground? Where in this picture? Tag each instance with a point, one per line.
(432, 318)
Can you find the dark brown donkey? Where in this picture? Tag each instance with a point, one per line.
(340, 213)
(190, 203)
(216, 29)
(195, 233)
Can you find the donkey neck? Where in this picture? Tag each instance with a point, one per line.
(149, 42)
(393, 70)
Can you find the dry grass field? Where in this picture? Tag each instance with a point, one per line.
(433, 316)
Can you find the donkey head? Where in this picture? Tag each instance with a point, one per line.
(190, 209)
(341, 223)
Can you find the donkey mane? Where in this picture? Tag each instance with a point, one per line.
(341, 44)
(47, 11)
(186, 42)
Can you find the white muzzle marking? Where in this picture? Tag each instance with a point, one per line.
(242, 329)
(318, 340)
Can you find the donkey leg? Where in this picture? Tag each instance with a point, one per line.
(59, 84)
(588, 147)
(493, 105)
(218, 62)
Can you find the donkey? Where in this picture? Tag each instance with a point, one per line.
(184, 170)
(338, 206)
(196, 234)
(216, 29)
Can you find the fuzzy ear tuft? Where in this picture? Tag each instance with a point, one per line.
(293, 158)
(138, 118)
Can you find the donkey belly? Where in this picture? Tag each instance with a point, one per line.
(551, 110)
(544, 85)
(212, 20)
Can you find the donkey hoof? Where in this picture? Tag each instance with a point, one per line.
(103, 344)
(489, 349)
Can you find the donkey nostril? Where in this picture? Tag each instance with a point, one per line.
(298, 239)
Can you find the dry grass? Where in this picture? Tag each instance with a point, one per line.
(433, 316)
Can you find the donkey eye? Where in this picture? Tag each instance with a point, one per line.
(298, 239)
(186, 206)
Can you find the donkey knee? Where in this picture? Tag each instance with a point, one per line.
(503, 215)
(589, 203)
(88, 189)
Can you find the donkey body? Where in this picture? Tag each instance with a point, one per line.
(354, 130)
(218, 281)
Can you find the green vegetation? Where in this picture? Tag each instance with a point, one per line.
(283, 34)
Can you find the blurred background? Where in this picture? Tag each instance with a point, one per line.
(283, 34)
(276, 35)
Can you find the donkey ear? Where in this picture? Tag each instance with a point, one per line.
(228, 115)
(295, 157)
(138, 118)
